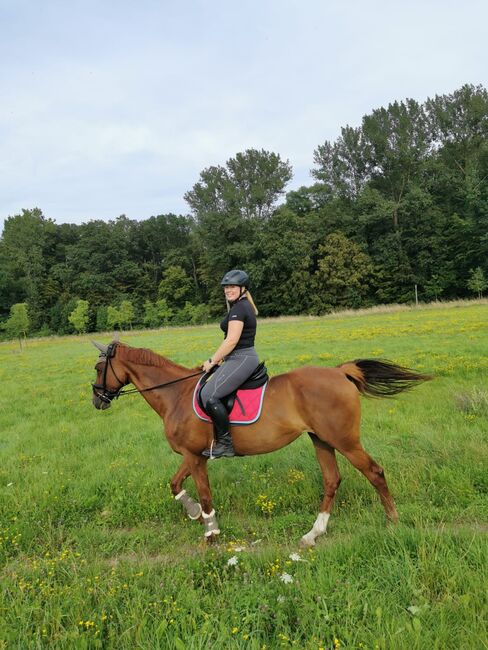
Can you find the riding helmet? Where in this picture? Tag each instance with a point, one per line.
(237, 277)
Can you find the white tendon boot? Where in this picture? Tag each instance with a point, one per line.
(193, 508)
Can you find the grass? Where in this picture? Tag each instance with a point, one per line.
(94, 552)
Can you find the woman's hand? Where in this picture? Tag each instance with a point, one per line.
(208, 365)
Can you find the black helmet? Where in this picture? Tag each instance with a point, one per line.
(239, 278)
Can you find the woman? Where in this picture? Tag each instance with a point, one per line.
(236, 356)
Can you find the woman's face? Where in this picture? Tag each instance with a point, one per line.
(232, 292)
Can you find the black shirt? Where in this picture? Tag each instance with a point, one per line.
(242, 310)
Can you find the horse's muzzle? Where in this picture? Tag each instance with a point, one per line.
(100, 404)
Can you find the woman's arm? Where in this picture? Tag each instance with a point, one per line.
(234, 332)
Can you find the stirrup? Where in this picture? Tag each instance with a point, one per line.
(208, 452)
(226, 450)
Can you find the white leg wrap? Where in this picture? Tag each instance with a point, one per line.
(319, 528)
(193, 508)
(211, 524)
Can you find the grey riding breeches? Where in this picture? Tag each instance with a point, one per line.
(237, 367)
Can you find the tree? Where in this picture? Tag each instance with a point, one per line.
(344, 166)
(126, 313)
(280, 272)
(434, 286)
(80, 316)
(101, 324)
(230, 205)
(343, 275)
(157, 313)
(113, 317)
(477, 281)
(192, 315)
(386, 152)
(249, 185)
(398, 144)
(175, 287)
(27, 243)
(459, 123)
(18, 322)
(164, 241)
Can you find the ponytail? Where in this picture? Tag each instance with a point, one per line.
(249, 297)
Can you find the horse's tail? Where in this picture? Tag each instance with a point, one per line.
(381, 378)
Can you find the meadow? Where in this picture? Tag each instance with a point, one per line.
(95, 553)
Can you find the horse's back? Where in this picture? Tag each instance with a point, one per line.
(315, 378)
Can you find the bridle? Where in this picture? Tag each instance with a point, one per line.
(108, 394)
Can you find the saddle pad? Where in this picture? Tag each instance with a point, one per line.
(251, 400)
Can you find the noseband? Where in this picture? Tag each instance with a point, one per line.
(107, 394)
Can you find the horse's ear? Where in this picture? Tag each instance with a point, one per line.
(102, 348)
(116, 337)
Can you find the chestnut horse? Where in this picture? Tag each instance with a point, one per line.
(321, 401)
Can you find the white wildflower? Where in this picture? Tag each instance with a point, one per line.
(295, 557)
(286, 578)
(281, 599)
(232, 561)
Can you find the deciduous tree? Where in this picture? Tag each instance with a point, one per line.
(17, 324)
(80, 316)
(477, 281)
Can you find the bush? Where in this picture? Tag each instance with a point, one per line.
(473, 402)
(192, 315)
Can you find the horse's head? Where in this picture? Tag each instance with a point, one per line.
(111, 376)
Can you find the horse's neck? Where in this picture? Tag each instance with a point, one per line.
(146, 376)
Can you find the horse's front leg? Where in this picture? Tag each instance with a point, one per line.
(193, 509)
(198, 469)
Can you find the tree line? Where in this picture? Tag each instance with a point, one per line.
(399, 202)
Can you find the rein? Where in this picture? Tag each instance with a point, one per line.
(108, 395)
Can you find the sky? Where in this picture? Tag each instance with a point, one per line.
(113, 107)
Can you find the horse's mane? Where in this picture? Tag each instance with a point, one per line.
(145, 357)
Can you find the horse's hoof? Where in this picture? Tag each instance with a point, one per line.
(306, 542)
(211, 539)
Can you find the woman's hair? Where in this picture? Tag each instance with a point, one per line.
(249, 297)
(247, 294)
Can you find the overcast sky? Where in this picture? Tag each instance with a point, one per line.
(113, 107)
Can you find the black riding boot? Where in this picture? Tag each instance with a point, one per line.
(223, 442)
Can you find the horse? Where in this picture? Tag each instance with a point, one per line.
(322, 401)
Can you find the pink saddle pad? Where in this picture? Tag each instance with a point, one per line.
(247, 406)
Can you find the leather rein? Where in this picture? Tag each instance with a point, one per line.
(107, 395)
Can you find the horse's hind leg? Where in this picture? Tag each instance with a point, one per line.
(331, 477)
(375, 475)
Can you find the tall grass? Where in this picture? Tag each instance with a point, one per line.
(95, 553)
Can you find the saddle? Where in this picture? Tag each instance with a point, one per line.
(244, 404)
(258, 378)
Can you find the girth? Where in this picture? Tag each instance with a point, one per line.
(258, 378)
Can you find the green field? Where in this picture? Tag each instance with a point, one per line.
(95, 553)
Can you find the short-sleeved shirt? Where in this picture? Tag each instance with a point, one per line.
(242, 310)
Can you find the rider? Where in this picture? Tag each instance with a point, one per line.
(236, 357)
